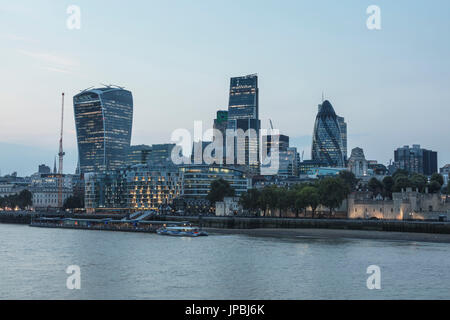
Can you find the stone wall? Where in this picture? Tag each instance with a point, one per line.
(403, 206)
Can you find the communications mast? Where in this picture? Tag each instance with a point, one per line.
(61, 156)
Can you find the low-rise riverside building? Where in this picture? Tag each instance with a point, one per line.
(228, 207)
(138, 187)
(405, 205)
(197, 179)
(45, 191)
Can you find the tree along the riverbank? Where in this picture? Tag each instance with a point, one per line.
(402, 179)
(73, 202)
(21, 200)
(329, 192)
(220, 189)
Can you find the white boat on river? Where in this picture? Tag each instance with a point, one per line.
(185, 231)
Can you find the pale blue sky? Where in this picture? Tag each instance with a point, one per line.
(391, 85)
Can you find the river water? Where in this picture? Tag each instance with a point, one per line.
(116, 265)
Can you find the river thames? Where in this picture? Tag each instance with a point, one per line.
(118, 265)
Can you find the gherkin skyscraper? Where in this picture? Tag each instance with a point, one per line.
(327, 145)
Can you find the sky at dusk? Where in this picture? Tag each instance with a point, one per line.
(391, 85)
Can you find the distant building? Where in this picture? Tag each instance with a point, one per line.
(307, 165)
(279, 141)
(161, 154)
(11, 188)
(318, 173)
(198, 150)
(139, 154)
(228, 207)
(243, 114)
(445, 169)
(138, 187)
(103, 120)
(288, 158)
(404, 205)
(220, 124)
(343, 129)
(44, 189)
(44, 169)
(327, 145)
(197, 179)
(357, 163)
(416, 160)
(445, 172)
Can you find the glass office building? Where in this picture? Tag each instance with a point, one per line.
(416, 160)
(343, 129)
(243, 113)
(327, 146)
(103, 120)
(197, 179)
(139, 154)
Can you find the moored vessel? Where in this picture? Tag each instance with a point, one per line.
(183, 231)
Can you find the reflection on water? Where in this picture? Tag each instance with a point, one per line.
(117, 265)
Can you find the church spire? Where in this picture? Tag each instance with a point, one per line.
(54, 166)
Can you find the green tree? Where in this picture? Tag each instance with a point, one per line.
(401, 182)
(332, 192)
(250, 200)
(220, 189)
(25, 199)
(375, 186)
(388, 186)
(438, 178)
(282, 200)
(292, 195)
(434, 187)
(268, 198)
(349, 178)
(309, 197)
(73, 202)
(419, 181)
(400, 172)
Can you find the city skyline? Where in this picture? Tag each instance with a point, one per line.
(389, 99)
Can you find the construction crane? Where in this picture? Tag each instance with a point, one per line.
(61, 156)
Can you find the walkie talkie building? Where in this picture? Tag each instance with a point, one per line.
(103, 120)
(327, 145)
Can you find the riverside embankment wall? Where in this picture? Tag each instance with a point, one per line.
(273, 223)
(286, 223)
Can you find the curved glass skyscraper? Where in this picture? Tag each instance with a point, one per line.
(103, 120)
(327, 145)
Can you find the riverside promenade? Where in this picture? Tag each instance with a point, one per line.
(266, 223)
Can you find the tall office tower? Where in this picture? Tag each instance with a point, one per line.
(161, 155)
(343, 129)
(270, 142)
(327, 143)
(220, 124)
(243, 113)
(416, 160)
(139, 154)
(103, 120)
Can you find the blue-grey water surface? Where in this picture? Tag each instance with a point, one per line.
(116, 265)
